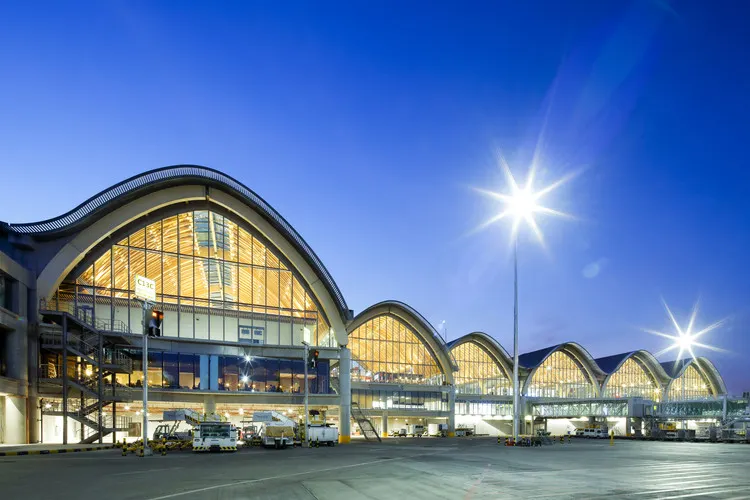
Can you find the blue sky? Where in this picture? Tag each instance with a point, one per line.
(366, 124)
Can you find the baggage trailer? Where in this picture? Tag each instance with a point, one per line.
(277, 436)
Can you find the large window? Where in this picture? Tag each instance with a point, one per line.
(214, 280)
(632, 380)
(248, 374)
(690, 385)
(484, 408)
(400, 400)
(478, 373)
(6, 297)
(560, 376)
(386, 350)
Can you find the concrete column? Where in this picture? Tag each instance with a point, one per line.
(452, 412)
(17, 367)
(209, 405)
(384, 425)
(34, 423)
(627, 427)
(15, 420)
(345, 394)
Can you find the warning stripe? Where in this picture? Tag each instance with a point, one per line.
(50, 452)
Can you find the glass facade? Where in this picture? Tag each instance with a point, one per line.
(690, 385)
(214, 280)
(478, 373)
(386, 350)
(484, 408)
(182, 371)
(400, 400)
(560, 376)
(632, 380)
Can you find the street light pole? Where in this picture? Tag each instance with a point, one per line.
(515, 342)
(307, 413)
(521, 204)
(146, 450)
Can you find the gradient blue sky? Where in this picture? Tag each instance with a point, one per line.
(366, 124)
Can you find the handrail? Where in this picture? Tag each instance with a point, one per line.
(173, 173)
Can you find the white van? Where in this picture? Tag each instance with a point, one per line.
(594, 432)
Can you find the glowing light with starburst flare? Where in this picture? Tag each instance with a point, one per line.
(685, 339)
(523, 203)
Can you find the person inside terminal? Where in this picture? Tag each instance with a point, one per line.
(238, 294)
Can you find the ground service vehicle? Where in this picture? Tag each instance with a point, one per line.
(415, 430)
(437, 430)
(277, 435)
(277, 430)
(215, 436)
(177, 425)
(323, 434)
(594, 432)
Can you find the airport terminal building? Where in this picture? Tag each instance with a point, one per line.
(241, 291)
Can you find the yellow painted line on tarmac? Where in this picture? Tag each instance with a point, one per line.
(285, 476)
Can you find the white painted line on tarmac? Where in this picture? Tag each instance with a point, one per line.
(677, 490)
(144, 471)
(714, 492)
(285, 476)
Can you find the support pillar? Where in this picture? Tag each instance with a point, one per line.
(15, 420)
(384, 425)
(345, 394)
(209, 405)
(627, 427)
(452, 412)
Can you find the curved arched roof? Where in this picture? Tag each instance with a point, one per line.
(533, 360)
(490, 345)
(423, 328)
(610, 364)
(126, 191)
(675, 369)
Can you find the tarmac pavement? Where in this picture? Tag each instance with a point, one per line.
(396, 469)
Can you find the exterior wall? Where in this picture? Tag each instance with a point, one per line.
(16, 351)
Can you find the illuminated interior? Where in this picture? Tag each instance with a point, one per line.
(560, 376)
(478, 373)
(692, 384)
(214, 280)
(386, 350)
(632, 380)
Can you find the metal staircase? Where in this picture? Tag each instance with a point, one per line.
(368, 431)
(80, 366)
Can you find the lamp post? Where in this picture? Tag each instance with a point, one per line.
(521, 204)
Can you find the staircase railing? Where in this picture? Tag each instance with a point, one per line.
(368, 430)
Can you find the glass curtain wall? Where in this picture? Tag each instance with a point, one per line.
(632, 380)
(400, 400)
(252, 374)
(690, 385)
(560, 377)
(478, 373)
(214, 280)
(386, 350)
